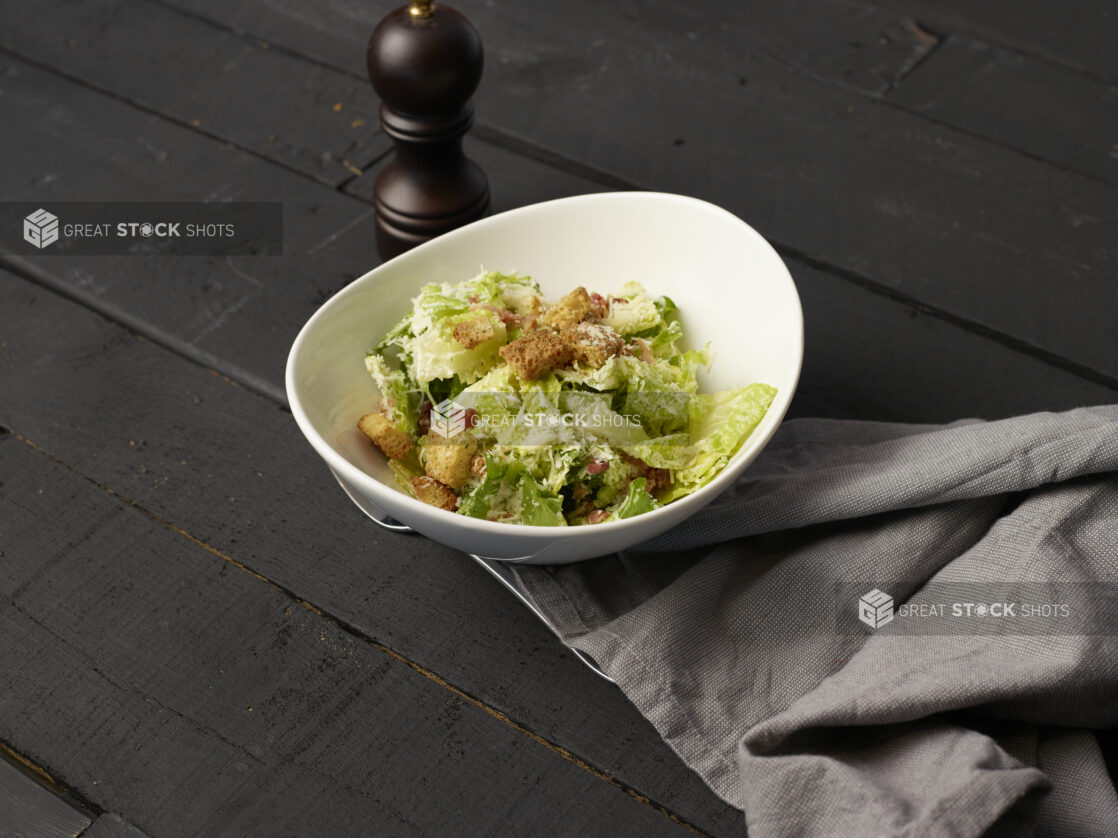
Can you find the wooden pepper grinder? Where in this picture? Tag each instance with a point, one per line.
(425, 62)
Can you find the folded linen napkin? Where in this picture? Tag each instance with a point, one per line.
(743, 636)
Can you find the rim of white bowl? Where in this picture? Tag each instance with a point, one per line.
(697, 499)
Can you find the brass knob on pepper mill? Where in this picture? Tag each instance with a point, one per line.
(425, 63)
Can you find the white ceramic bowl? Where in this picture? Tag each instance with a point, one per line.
(731, 287)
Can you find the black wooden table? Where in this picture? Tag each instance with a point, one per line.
(201, 636)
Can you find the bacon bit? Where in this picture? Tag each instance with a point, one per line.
(601, 304)
(507, 317)
(613, 300)
(597, 467)
(471, 299)
(579, 492)
(634, 461)
(597, 516)
(477, 466)
(645, 350)
(657, 479)
(423, 424)
(583, 509)
(470, 417)
(530, 320)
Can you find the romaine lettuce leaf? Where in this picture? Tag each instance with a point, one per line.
(495, 398)
(508, 489)
(478, 501)
(720, 423)
(537, 506)
(401, 402)
(679, 373)
(436, 354)
(612, 482)
(673, 451)
(438, 301)
(635, 502)
(404, 472)
(663, 338)
(397, 336)
(662, 341)
(661, 410)
(439, 389)
(435, 302)
(517, 293)
(636, 314)
(560, 462)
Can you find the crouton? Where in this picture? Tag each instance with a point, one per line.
(572, 308)
(592, 343)
(388, 438)
(535, 354)
(474, 332)
(449, 461)
(429, 490)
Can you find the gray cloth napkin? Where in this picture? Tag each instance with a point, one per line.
(737, 633)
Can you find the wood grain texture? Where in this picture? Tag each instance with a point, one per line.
(240, 314)
(945, 218)
(224, 465)
(870, 357)
(1078, 33)
(202, 701)
(1045, 110)
(232, 470)
(303, 116)
(27, 810)
(73, 143)
(112, 826)
(846, 44)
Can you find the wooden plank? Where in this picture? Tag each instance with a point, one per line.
(112, 826)
(846, 44)
(1078, 33)
(200, 700)
(244, 312)
(603, 733)
(28, 809)
(929, 212)
(231, 469)
(1048, 111)
(225, 476)
(870, 357)
(304, 116)
(280, 305)
(72, 143)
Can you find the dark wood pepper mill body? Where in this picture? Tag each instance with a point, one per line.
(425, 63)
